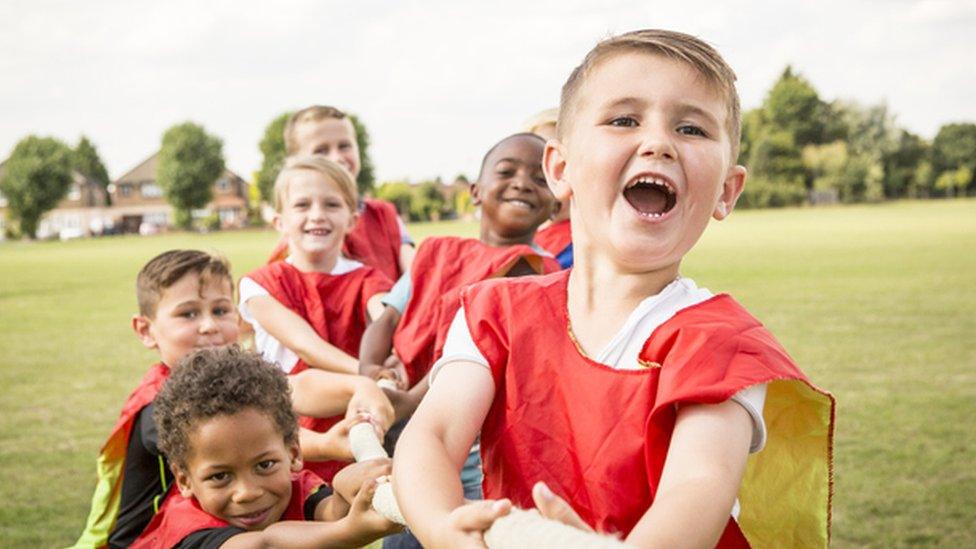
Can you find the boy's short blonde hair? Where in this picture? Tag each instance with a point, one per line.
(317, 163)
(674, 45)
(167, 268)
(543, 118)
(308, 114)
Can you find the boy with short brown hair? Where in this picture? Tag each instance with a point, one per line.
(618, 395)
(186, 302)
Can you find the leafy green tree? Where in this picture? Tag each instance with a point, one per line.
(190, 161)
(901, 164)
(778, 172)
(366, 180)
(954, 147)
(38, 176)
(272, 148)
(87, 162)
(428, 201)
(399, 193)
(954, 182)
(792, 105)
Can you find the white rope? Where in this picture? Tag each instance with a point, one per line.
(520, 528)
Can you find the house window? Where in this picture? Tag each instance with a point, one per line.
(228, 215)
(159, 219)
(223, 184)
(151, 190)
(74, 193)
(125, 190)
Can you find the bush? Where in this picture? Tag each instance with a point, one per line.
(762, 193)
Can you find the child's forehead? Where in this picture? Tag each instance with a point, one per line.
(326, 126)
(645, 76)
(246, 431)
(200, 284)
(519, 147)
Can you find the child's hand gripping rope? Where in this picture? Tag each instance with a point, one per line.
(519, 528)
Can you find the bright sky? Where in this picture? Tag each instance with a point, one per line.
(436, 81)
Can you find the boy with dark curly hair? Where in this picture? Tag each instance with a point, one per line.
(228, 429)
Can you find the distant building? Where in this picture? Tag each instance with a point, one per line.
(81, 212)
(138, 202)
(138, 205)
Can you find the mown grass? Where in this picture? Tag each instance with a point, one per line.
(875, 302)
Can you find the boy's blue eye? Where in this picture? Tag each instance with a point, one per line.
(688, 129)
(624, 122)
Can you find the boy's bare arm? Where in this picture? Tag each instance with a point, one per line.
(296, 334)
(430, 454)
(701, 477)
(358, 527)
(377, 342)
(407, 251)
(375, 306)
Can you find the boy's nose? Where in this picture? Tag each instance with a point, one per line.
(657, 144)
(208, 324)
(246, 491)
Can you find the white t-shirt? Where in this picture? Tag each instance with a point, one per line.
(270, 348)
(623, 349)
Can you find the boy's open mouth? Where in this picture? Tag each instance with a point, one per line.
(650, 196)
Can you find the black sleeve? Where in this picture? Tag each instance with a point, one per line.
(147, 429)
(212, 538)
(312, 501)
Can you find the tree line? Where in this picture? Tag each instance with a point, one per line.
(798, 147)
(802, 149)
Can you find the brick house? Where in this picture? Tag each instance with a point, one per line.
(82, 212)
(137, 200)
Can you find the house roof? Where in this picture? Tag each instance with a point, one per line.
(146, 171)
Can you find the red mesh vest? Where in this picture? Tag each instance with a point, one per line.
(335, 307)
(598, 436)
(441, 268)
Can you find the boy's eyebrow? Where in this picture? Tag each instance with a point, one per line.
(625, 102)
(688, 108)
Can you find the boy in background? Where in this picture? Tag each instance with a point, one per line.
(186, 303)
(555, 235)
(379, 238)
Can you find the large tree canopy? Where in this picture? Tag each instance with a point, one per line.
(86, 161)
(37, 176)
(190, 161)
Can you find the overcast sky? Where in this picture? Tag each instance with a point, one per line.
(437, 81)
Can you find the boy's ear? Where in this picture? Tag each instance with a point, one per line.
(353, 220)
(295, 453)
(141, 325)
(476, 194)
(554, 166)
(182, 482)
(735, 181)
(276, 221)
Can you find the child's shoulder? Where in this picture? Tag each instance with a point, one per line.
(521, 289)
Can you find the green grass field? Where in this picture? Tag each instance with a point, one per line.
(875, 302)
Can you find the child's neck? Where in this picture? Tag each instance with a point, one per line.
(493, 238)
(601, 296)
(323, 262)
